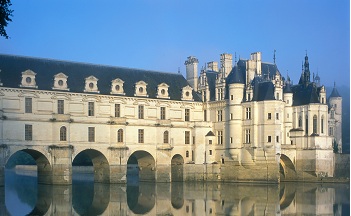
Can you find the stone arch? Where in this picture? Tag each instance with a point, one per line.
(44, 167)
(96, 198)
(100, 164)
(141, 198)
(286, 195)
(287, 168)
(146, 165)
(177, 164)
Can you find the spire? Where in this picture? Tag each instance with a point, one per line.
(307, 73)
(274, 56)
(335, 92)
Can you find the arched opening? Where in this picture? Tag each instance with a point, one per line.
(287, 168)
(177, 163)
(141, 167)
(141, 198)
(24, 170)
(286, 195)
(177, 195)
(91, 163)
(90, 198)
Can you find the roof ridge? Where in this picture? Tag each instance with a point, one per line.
(91, 64)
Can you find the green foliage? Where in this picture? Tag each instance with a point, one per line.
(5, 14)
(335, 147)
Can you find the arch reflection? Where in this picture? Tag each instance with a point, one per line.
(141, 198)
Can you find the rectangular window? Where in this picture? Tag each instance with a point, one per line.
(231, 97)
(187, 137)
(163, 113)
(277, 139)
(269, 139)
(117, 110)
(247, 136)
(231, 139)
(210, 152)
(248, 96)
(28, 105)
(248, 112)
(91, 134)
(269, 115)
(205, 115)
(210, 142)
(91, 109)
(220, 137)
(28, 132)
(219, 115)
(141, 112)
(141, 136)
(231, 116)
(187, 114)
(322, 125)
(60, 107)
(277, 116)
(193, 140)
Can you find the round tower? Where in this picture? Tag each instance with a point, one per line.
(335, 117)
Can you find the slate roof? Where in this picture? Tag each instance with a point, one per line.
(303, 95)
(12, 66)
(334, 93)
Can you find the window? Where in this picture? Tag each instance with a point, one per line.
(90, 108)
(187, 114)
(300, 122)
(28, 105)
(287, 115)
(117, 110)
(231, 97)
(210, 152)
(277, 139)
(322, 124)
(315, 124)
(287, 101)
(306, 125)
(141, 136)
(60, 107)
(331, 131)
(210, 142)
(63, 133)
(277, 116)
(278, 96)
(91, 134)
(269, 115)
(323, 100)
(28, 132)
(332, 113)
(231, 116)
(248, 112)
(231, 139)
(220, 137)
(187, 154)
(120, 135)
(219, 113)
(247, 136)
(248, 96)
(165, 137)
(205, 115)
(187, 137)
(163, 113)
(269, 139)
(141, 112)
(193, 140)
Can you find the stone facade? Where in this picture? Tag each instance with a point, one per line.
(241, 123)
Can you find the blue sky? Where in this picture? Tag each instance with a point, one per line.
(159, 35)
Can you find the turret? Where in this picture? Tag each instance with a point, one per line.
(335, 120)
(191, 71)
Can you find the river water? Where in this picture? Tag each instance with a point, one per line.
(22, 196)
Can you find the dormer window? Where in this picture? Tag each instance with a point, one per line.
(187, 93)
(91, 84)
(60, 82)
(162, 91)
(140, 89)
(117, 86)
(28, 79)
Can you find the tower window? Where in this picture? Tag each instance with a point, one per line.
(220, 137)
(60, 107)
(90, 108)
(248, 112)
(269, 115)
(117, 110)
(269, 139)
(141, 112)
(28, 105)
(163, 113)
(187, 114)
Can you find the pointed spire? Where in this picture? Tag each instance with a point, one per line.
(335, 92)
(274, 56)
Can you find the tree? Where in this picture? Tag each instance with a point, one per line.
(5, 14)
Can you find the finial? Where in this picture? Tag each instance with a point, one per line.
(274, 56)
(235, 57)
(306, 52)
(179, 70)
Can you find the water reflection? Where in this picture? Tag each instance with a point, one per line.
(22, 196)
